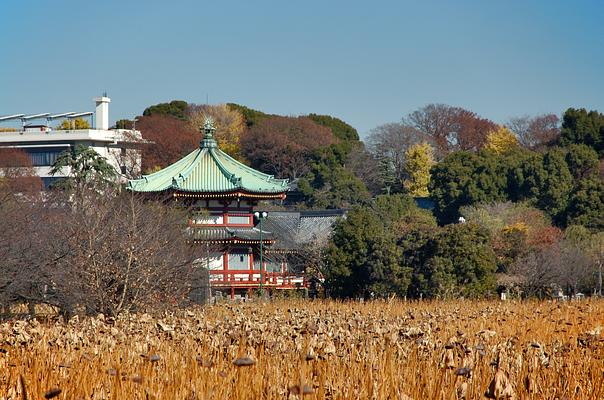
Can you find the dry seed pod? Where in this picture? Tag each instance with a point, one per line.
(500, 387)
(244, 362)
(448, 359)
(203, 363)
(54, 392)
(462, 391)
(297, 390)
(329, 349)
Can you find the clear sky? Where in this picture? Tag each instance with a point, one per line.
(367, 62)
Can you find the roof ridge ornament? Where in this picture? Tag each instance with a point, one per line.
(208, 130)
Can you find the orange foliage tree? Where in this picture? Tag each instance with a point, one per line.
(17, 174)
(171, 140)
(283, 145)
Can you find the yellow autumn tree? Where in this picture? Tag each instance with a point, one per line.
(501, 140)
(419, 158)
(78, 123)
(229, 123)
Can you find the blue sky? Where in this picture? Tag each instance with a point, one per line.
(366, 62)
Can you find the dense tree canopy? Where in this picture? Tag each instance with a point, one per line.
(175, 108)
(465, 178)
(586, 204)
(341, 130)
(328, 184)
(170, 139)
(252, 117)
(363, 255)
(458, 262)
(283, 146)
(582, 160)
(393, 248)
(582, 127)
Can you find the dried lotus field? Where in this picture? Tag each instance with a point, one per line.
(314, 350)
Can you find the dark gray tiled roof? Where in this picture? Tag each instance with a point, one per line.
(294, 229)
(226, 233)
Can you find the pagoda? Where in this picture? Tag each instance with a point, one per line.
(222, 194)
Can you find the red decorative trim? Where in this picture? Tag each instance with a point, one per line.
(235, 195)
(252, 285)
(247, 271)
(235, 241)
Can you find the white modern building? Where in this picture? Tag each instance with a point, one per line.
(121, 147)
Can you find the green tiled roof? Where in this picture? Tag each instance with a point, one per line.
(209, 170)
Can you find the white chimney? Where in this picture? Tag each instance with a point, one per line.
(102, 112)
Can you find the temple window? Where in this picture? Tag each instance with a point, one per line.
(240, 219)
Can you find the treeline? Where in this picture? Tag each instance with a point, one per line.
(392, 247)
(518, 206)
(531, 192)
(449, 154)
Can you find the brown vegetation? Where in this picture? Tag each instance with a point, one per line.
(451, 128)
(92, 252)
(171, 139)
(283, 145)
(17, 174)
(378, 350)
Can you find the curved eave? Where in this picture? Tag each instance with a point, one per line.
(229, 195)
(234, 241)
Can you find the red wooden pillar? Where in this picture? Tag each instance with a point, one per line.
(225, 266)
(232, 292)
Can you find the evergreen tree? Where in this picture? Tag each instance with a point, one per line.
(175, 108)
(582, 160)
(586, 204)
(465, 178)
(458, 261)
(582, 127)
(340, 129)
(86, 169)
(363, 254)
(555, 188)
